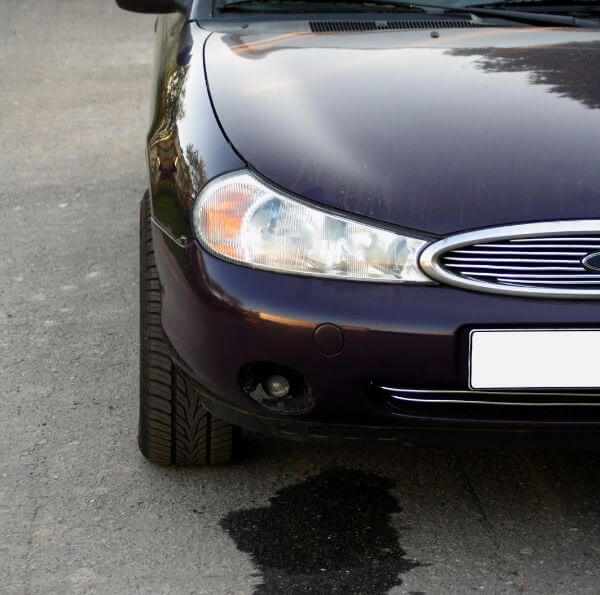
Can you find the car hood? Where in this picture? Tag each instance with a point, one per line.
(478, 127)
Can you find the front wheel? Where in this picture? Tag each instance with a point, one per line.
(174, 426)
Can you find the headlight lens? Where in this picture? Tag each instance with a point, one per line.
(241, 219)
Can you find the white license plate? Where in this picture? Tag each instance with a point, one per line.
(550, 359)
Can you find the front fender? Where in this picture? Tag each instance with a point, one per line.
(185, 147)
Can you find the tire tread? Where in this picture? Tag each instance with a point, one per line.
(175, 428)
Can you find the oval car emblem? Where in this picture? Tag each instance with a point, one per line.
(592, 262)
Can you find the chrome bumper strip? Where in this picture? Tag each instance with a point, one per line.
(424, 396)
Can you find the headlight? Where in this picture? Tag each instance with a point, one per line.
(241, 219)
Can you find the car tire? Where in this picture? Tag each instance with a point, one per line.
(174, 426)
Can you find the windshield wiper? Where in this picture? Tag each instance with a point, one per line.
(546, 6)
(311, 4)
(520, 16)
(532, 18)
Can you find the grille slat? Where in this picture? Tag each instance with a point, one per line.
(521, 253)
(530, 260)
(535, 276)
(538, 245)
(557, 239)
(512, 268)
(535, 281)
(545, 261)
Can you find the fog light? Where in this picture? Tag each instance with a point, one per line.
(277, 386)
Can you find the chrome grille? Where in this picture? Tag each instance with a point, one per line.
(541, 262)
(528, 259)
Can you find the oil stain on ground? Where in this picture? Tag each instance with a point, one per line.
(330, 533)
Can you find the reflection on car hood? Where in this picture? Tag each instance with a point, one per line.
(476, 128)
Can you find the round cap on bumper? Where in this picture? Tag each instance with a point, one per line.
(329, 339)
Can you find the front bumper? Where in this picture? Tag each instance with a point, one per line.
(221, 317)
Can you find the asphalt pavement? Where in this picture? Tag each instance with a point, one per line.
(80, 508)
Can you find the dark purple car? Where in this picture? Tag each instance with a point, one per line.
(371, 218)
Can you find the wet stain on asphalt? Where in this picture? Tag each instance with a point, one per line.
(330, 533)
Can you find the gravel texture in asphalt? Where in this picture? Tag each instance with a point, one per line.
(82, 511)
